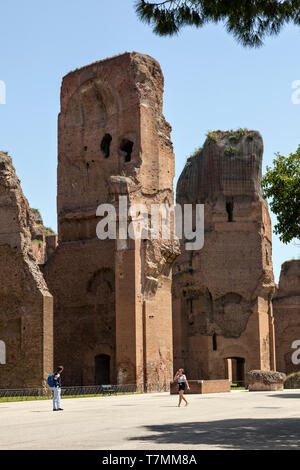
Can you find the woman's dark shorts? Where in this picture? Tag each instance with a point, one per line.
(181, 386)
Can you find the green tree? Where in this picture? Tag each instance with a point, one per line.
(282, 184)
(250, 21)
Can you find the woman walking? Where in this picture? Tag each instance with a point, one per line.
(182, 380)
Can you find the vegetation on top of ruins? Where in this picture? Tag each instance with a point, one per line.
(195, 153)
(250, 22)
(232, 135)
(39, 228)
(44, 231)
(36, 214)
(250, 136)
(282, 184)
(212, 135)
(230, 150)
(236, 135)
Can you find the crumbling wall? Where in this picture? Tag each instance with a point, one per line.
(112, 297)
(26, 310)
(222, 293)
(44, 239)
(286, 305)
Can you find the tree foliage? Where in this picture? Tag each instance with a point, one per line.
(250, 21)
(282, 184)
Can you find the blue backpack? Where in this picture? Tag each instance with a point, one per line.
(50, 380)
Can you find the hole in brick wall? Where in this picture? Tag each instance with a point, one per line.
(105, 145)
(229, 210)
(126, 148)
(85, 148)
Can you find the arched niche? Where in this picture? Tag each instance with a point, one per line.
(92, 103)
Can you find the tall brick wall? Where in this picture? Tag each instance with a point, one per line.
(26, 307)
(286, 306)
(112, 297)
(222, 293)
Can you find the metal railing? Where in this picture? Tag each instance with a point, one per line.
(79, 391)
(237, 384)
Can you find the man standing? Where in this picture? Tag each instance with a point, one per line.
(57, 388)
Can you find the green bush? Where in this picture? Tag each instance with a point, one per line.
(292, 381)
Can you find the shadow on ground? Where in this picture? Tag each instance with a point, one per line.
(285, 395)
(256, 434)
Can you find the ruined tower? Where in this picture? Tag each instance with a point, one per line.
(286, 305)
(113, 321)
(26, 306)
(222, 311)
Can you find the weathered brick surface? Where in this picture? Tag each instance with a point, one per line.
(112, 297)
(26, 310)
(203, 386)
(222, 293)
(261, 380)
(43, 238)
(286, 306)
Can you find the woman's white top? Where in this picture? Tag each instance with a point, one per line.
(181, 378)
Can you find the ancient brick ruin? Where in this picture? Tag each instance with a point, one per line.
(112, 298)
(222, 310)
(286, 304)
(26, 307)
(120, 316)
(44, 240)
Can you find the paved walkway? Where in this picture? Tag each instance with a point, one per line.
(236, 420)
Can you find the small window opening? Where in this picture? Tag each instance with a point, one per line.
(214, 339)
(126, 148)
(105, 145)
(85, 148)
(229, 210)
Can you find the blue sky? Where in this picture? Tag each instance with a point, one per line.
(211, 82)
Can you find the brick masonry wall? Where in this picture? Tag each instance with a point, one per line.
(222, 293)
(26, 306)
(203, 386)
(118, 100)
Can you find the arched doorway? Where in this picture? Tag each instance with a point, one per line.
(102, 369)
(235, 370)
